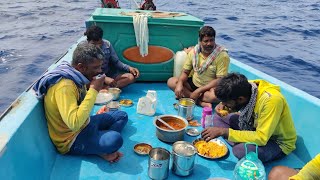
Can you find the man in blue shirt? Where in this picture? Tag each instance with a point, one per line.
(112, 66)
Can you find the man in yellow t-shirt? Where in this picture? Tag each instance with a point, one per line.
(68, 105)
(258, 113)
(206, 63)
(311, 171)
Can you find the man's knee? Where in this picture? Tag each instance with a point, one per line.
(239, 151)
(112, 141)
(281, 173)
(275, 172)
(172, 82)
(121, 115)
(131, 78)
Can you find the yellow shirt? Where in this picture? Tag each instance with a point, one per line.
(311, 171)
(272, 120)
(218, 68)
(65, 117)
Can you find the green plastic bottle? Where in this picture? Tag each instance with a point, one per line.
(250, 167)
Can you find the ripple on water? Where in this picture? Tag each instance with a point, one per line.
(232, 18)
(226, 37)
(209, 19)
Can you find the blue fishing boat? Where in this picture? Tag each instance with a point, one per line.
(26, 151)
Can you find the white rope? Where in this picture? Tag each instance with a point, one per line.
(140, 24)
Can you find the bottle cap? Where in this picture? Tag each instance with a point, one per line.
(252, 156)
(207, 110)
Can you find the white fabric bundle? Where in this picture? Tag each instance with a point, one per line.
(140, 24)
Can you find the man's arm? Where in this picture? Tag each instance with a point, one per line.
(310, 170)
(179, 87)
(74, 116)
(183, 76)
(267, 122)
(116, 61)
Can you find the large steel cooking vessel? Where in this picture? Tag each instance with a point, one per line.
(168, 135)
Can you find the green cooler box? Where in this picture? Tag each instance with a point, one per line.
(168, 33)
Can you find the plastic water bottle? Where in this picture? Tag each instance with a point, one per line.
(250, 167)
(206, 120)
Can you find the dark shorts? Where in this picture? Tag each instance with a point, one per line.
(190, 82)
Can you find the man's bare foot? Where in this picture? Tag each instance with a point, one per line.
(113, 157)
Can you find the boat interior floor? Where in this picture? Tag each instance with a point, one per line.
(140, 129)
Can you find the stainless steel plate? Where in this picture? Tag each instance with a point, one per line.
(218, 141)
(193, 132)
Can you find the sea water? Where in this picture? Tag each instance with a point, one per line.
(280, 38)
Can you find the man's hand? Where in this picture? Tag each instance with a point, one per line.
(134, 71)
(178, 91)
(97, 84)
(110, 82)
(195, 95)
(213, 132)
(103, 109)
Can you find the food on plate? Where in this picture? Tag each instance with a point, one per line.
(211, 149)
(103, 109)
(223, 112)
(194, 123)
(125, 102)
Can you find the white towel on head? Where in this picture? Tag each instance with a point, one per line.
(140, 24)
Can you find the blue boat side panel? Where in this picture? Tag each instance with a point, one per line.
(304, 108)
(29, 154)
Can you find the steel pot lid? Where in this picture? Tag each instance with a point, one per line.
(184, 148)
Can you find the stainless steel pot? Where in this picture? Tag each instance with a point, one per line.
(183, 157)
(159, 160)
(170, 135)
(186, 108)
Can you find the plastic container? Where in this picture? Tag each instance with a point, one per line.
(206, 119)
(179, 60)
(147, 104)
(250, 167)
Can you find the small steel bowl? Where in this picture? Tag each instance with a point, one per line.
(193, 132)
(115, 93)
(113, 106)
(142, 148)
